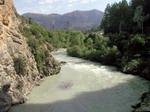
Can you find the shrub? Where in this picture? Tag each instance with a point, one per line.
(20, 66)
(74, 51)
(132, 66)
(138, 39)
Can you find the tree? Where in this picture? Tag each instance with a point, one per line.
(89, 43)
(135, 3)
(106, 19)
(115, 17)
(139, 17)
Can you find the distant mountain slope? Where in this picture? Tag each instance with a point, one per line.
(74, 20)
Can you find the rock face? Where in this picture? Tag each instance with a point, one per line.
(13, 45)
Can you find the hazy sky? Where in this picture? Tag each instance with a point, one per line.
(59, 6)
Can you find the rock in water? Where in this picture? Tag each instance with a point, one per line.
(144, 105)
(5, 102)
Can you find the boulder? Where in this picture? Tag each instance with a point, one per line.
(144, 105)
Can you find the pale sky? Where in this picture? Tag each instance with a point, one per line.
(59, 6)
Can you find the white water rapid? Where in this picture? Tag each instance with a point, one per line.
(84, 86)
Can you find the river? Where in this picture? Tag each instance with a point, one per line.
(84, 86)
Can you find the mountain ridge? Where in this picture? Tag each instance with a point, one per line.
(77, 19)
(65, 13)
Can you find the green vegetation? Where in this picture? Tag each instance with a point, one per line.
(64, 39)
(38, 42)
(20, 66)
(96, 48)
(126, 40)
(41, 41)
(129, 32)
(125, 43)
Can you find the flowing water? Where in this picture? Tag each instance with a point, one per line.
(84, 86)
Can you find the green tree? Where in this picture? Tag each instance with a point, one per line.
(89, 43)
(139, 17)
(115, 17)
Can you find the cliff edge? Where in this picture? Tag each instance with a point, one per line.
(13, 45)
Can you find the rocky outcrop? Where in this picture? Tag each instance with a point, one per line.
(144, 105)
(14, 45)
(146, 72)
(54, 66)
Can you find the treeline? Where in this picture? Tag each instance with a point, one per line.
(126, 40)
(131, 18)
(96, 48)
(64, 39)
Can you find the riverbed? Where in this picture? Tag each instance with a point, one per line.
(85, 86)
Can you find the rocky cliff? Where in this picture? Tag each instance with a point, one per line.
(12, 46)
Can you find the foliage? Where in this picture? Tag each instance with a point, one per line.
(89, 43)
(37, 39)
(40, 39)
(74, 51)
(127, 26)
(60, 39)
(117, 17)
(139, 17)
(20, 66)
(96, 48)
(126, 17)
(126, 43)
(132, 66)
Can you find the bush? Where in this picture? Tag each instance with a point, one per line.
(138, 40)
(20, 66)
(110, 56)
(37, 39)
(137, 43)
(132, 66)
(74, 51)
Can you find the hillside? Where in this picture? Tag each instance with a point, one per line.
(74, 20)
(19, 65)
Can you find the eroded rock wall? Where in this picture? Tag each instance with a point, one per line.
(14, 45)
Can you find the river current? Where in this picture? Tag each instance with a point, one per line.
(84, 86)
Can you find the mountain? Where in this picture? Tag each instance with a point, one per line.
(74, 20)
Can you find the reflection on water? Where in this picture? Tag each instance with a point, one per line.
(84, 86)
